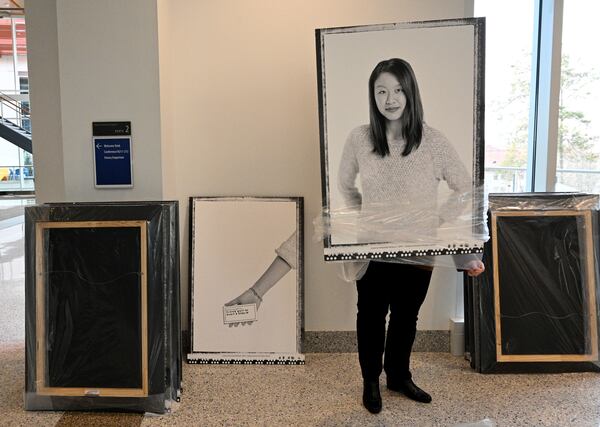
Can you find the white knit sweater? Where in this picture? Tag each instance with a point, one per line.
(401, 192)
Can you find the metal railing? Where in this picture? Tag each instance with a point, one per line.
(507, 179)
(12, 108)
(18, 10)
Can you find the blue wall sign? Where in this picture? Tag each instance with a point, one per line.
(112, 161)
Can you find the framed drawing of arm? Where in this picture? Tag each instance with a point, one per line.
(246, 268)
(401, 125)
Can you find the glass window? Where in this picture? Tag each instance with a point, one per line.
(24, 90)
(509, 36)
(578, 152)
(16, 173)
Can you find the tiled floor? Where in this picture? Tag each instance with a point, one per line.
(324, 392)
(327, 392)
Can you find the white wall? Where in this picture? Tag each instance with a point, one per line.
(168, 100)
(44, 86)
(101, 65)
(243, 119)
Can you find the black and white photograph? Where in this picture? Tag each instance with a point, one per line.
(246, 280)
(401, 110)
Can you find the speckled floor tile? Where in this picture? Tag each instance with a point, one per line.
(90, 419)
(345, 341)
(327, 392)
(12, 384)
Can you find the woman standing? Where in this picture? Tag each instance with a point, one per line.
(401, 160)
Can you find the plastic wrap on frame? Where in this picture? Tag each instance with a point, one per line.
(542, 201)
(535, 308)
(103, 326)
(447, 232)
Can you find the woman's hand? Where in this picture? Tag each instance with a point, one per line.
(475, 268)
(247, 297)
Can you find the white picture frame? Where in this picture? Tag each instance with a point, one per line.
(235, 244)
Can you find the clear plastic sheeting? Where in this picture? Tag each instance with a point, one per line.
(102, 307)
(542, 201)
(351, 271)
(406, 223)
(403, 228)
(535, 309)
(406, 231)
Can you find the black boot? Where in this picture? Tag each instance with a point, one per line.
(371, 396)
(410, 390)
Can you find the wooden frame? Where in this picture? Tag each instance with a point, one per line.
(41, 387)
(591, 290)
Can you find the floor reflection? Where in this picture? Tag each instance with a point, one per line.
(12, 269)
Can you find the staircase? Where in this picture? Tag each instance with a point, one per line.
(15, 134)
(9, 130)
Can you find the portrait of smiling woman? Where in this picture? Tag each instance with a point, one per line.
(400, 161)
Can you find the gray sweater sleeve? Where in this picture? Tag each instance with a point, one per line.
(288, 252)
(348, 172)
(450, 168)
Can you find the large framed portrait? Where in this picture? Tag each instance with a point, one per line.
(246, 270)
(401, 123)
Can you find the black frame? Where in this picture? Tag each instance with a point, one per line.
(358, 251)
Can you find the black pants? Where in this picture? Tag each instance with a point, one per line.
(401, 289)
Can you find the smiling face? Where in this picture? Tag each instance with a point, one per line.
(389, 96)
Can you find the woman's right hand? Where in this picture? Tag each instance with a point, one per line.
(247, 297)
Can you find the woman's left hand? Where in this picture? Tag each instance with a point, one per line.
(475, 268)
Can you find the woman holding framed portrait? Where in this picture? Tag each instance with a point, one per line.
(401, 161)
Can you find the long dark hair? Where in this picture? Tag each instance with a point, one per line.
(412, 117)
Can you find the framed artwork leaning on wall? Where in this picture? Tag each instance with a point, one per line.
(246, 278)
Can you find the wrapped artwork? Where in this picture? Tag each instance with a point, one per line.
(102, 306)
(535, 307)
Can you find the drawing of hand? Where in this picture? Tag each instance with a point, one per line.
(246, 297)
(254, 295)
(249, 296)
